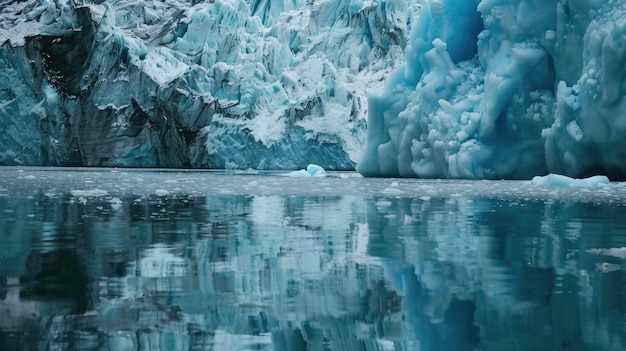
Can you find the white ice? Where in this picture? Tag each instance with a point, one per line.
(564, 181)
(311, 170)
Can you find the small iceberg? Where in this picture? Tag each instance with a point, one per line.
(564, 181)
(310, 171)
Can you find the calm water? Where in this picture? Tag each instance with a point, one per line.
(100, 259)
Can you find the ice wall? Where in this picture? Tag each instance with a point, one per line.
(541, 91)
(221, 84)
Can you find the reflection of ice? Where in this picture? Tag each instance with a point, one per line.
(13, 308)
(619, 252)
(159, 262)
(116, 203)
(223, 340)
(335, 271)
(359, 244)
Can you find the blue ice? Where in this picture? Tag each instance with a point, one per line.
(564, 181)
(504, 89)
(311, 170)
(472, 89)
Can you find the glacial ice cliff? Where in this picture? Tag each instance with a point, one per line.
(461, 89)
(186, 83)
(505, 89)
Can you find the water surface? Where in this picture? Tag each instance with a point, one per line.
(105, 259)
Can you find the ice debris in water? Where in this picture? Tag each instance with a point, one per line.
(311, 171)
(116, 203)
(161, 192)
(89, 193)
(564, 181)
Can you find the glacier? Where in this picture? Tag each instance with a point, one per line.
(232, 84)
(504, 89)
(480, 89)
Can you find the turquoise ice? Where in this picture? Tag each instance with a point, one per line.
(504, 89)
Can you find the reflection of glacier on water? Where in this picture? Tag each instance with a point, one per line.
(124, 259)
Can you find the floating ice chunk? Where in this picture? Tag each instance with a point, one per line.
(116, 203)
(393, 189)
(316, 171)
(161, 192)
(300, 173)
(311, 171)
(89, 193)
(564, 181)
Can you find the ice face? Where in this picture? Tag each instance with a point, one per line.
(472, 89)
(541, 91)
(220, 84)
